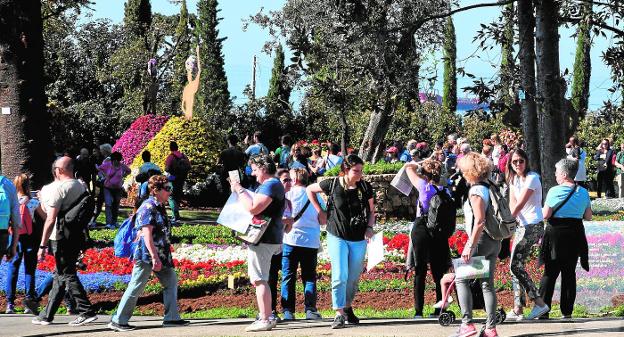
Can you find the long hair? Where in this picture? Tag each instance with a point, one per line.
(510, 174)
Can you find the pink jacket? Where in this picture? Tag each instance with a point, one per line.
(113, 175)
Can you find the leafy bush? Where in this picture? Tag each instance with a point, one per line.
(369, 169)
(200, 234)
(196, 140)
(133, 140)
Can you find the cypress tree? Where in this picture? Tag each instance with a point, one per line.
(278, 115)
(279, 89)
(129, 62)
(183, 50)
(507, 61)
(213, 98)
(449, 94)
(137, 17)
(582, 63)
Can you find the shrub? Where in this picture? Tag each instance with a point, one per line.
(195, 139)
(133, 140)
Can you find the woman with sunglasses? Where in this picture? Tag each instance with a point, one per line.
(152, 254)
(268, 201)
(525, 203)
(350, 218)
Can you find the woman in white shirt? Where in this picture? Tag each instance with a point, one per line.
(525, 203)
(302, 238)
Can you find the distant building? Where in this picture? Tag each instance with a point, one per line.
(464, 104)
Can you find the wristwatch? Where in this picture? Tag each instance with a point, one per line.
(43, 247)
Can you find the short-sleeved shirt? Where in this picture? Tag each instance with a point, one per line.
(347, 204)
(11, 215)
(333, 160)
(256, 149)
(274, 189)
(573, 208)
(305, 232)
(531, 213)
(61, 195)
(426, 191)
(152, 213)
(147, 166)
(405, 156)
(482, 192)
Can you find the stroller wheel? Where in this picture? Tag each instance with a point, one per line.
(500, 315)
(446, 318)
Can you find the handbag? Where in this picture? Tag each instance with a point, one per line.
(476, 268)
(255, 230)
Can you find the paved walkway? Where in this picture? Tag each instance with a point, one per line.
(19, 325)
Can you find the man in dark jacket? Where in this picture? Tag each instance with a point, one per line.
(178, 167)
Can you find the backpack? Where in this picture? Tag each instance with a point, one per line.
(72, 223)
(499, 223)
(180, 166)
(5, 206)
(125, 240)
(441, 217)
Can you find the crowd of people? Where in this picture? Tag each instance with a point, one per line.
(288, 195)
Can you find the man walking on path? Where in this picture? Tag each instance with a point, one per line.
(178, 167)
(63, 196)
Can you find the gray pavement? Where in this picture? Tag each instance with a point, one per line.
(20, 325)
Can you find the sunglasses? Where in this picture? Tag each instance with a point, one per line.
(517, 162)
(287, 180)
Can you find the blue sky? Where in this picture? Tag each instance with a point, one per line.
(240, 47)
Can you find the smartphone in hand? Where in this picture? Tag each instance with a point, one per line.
(234, 176)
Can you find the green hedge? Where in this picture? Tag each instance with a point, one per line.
(202, 234)
(369, 169)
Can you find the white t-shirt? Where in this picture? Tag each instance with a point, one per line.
(306, 232)
(484, 193)
(531, 213)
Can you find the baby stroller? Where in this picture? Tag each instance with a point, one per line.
(447, 317)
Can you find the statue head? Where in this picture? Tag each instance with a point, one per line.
(191, 65)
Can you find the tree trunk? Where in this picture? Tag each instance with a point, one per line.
(526, 27)
(378, 126)
(549, 89)
(25, 143)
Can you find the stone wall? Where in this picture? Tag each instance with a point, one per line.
(389, 202)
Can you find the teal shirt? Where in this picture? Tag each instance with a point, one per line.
(573, 208)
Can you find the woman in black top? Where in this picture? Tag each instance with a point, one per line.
(350, 218)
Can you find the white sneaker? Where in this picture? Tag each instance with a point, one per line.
(537, 311)
(439, 304)
(259, 325)
(512, 316)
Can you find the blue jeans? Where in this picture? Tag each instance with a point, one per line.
(292, 256)
(112, 198)
(347, 262)
(28, 253)
(140, 275)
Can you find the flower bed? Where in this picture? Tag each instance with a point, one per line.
(203, 269)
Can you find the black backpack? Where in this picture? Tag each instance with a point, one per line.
(441, 217)
(180, 166)
(73, 223)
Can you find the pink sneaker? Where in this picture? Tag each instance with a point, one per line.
(491, 332)
(465, 330)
